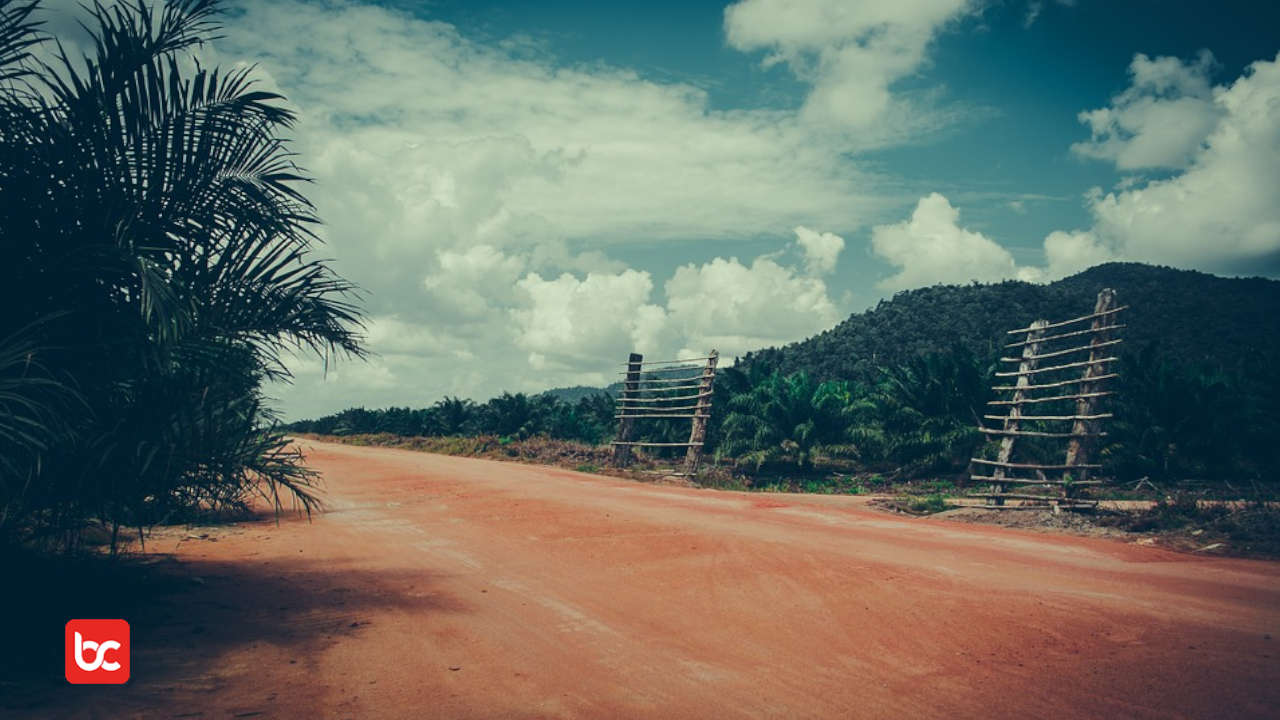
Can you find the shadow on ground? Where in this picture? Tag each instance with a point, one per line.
(187, 620)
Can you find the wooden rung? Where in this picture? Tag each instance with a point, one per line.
(1077, 333)
(1058, 353)
(664, 381)
(654, 444)
(1060, 383)
(1029, 481)
(1075, 505)
(1037, 433)
(657, 408)
(1049, 417)
(688, 362)
(665, 416)
(664, 399)
(1072, 321)
(1031, 466)
(668, 388)
(1023, 496)
(682, 368)
(1052, 368)
(1029, 401)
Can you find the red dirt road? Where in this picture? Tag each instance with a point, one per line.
(458, 588)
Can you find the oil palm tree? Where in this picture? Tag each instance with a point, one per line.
(789, 417)
(152, 226)
(928, 408)
(453, 416)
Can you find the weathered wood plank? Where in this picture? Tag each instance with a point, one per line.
(698, 433)
(1052, 368)
(690, 362)
(1055, 398)
(1023, 466)
(1051, 338)
(1051, 417)
(1037, 433)
(621, 450)
(1068, 351)
(1029, 352)
(1029, 481)
(1072, 321)
(663, 399)
(652, 444)
(1085, 427)
(1061, 383)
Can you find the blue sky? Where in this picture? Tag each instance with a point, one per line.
(1024, 83)
(528, 191)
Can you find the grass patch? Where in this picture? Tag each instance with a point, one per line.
(927, 504)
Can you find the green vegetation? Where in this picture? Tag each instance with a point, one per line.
(1198, 319)
(926, 505)
(897, 392)
(154, 265)
(519, 416)
(789, 418)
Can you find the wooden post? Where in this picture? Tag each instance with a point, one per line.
(630, 390)
(698, 433)
(1028, 363)
(1081, 446)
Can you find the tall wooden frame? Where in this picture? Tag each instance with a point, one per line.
(1028, 392)
(656, 390)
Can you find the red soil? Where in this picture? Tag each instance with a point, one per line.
(448, 587)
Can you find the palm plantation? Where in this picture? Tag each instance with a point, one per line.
(156, 269)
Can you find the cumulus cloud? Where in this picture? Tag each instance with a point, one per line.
(734, 308)
(1160, 120)
(931, 248)
(1070, 252)
(572, 322)
(1222, 213)
(469, 283)
(569, 323)
(849, 52)
(472, 187)
(478, 190)
(821, 249)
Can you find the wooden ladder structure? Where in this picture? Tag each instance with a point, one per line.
(1068, 382)
(665, 390)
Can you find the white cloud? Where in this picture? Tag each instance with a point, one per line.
(469, 139)
(821, 249)
(1160, 120)
(478, 189)
(1070, 252)
(734, 308)
(850, 52)
(460, 181)
(469, 283)
(931, 248)
(571, 323)
(1222, 213)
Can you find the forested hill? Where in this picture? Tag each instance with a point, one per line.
(1197, 318)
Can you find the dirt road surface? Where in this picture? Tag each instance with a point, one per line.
(459, 588)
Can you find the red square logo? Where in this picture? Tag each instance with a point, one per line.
(97, 652)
